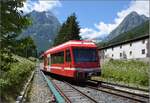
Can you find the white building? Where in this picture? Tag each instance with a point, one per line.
(131, 49)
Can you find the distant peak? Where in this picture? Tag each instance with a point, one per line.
(133, 13)
(34, 11)
(44, 13)
(132, 20)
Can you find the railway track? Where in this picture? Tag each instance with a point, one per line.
(119, 85)
(72, 94)
(115, 90)
(93, 94)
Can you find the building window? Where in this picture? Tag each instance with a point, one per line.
(130, 44)
(112, 55)
(143, 41)
(143, 51)
(120, 46)
(130, 52)
(120, 54)
(112, 48)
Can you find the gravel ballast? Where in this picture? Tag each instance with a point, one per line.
(39, 91)
(100, 97)
(103, 97)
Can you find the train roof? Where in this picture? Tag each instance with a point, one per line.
(71, 43)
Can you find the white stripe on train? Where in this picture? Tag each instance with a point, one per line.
(82, 69)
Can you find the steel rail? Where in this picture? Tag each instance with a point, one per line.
(93, 100)
(124, 91)
(52, 88)
(61, 92)
(119, 85)
(64, 95)
(117, 94)
(140, 95)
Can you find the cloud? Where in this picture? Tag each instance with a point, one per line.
(103, 29)
(86, 33)
(40, 5)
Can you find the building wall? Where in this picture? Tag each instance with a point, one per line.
(148, 47)
(131, 50)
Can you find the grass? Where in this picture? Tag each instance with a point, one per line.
(128, 72)
(12, 81)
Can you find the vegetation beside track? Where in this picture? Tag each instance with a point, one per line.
(12, 81)
(131, 72)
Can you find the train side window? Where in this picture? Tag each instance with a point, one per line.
(57, 58)
(68, 56)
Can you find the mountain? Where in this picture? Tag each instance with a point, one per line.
(43, 30)
(130, 21)
(138, 31)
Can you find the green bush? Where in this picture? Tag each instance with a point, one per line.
(32, 59)
(131, 71)
(13, 80)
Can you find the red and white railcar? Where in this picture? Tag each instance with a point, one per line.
(77, 59)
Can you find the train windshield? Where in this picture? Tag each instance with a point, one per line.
(85, 55)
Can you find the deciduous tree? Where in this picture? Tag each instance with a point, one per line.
(11, 24)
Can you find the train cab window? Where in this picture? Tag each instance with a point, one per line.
(85, 55)
(57, 58)
(68, 56)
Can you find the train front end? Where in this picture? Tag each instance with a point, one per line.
(86, 62)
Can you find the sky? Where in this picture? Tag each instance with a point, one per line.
(97, 18)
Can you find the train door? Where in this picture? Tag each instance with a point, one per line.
(68, 59)
(45, 62)
(49, 62)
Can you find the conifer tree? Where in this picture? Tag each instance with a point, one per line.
(69, 31)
